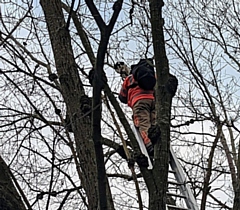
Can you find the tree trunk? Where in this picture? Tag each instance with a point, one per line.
(9, 197)
(236, 204)
(99, 81)
(72, 91)
(157, 193)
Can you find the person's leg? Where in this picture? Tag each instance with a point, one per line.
(141, 116)
(154, 132)
(153, 113)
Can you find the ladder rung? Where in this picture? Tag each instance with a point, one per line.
(174, 183)
(176, 195)
(176, 207)
(171, 171)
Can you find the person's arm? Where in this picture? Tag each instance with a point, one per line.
(123, 95)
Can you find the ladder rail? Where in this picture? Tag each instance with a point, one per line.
(177, 171)
(179, 175)
(141, 145)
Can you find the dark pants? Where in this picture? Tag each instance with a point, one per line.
(144, 116)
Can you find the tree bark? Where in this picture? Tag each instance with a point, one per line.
(99, 81)
(236, 203)
(157, 193)
(9, 197)
(209, 169)
(72, 91)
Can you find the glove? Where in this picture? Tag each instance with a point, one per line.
(171, 85)
(118, 65)
(122, 69)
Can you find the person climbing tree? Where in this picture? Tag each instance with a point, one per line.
(138, 92)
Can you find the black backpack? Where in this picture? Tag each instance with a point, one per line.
(144, 74)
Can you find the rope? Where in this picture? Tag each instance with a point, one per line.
(130, 160)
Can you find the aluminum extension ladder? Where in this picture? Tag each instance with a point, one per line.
(182, 189)
(178, 188)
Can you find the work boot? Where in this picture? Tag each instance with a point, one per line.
(154, 134)
(142, 160)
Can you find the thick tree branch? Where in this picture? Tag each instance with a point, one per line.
(209, 168)
(96, 15)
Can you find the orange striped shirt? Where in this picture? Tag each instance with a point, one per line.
(130, 92)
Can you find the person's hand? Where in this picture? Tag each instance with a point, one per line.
(122, 69)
